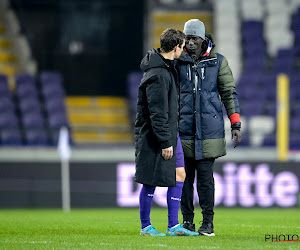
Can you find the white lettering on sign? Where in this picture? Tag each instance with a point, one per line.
(239, 186)
(263, 183)
(127, 196)
(285, 189)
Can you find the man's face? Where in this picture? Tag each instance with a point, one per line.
(193, 45)
(178, 50)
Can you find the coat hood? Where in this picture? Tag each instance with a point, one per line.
(210, 38)
(153, 59)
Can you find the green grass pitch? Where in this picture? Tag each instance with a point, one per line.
(119, 229)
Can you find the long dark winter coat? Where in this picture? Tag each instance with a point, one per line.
(156, 121)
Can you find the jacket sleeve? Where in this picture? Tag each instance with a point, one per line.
(228, 94)
(158, 104)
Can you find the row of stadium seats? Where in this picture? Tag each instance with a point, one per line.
(33, 112)
(264, 60)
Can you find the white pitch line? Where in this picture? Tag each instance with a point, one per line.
(105, 244)
(157, 245)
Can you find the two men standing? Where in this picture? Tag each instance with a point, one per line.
(205, 83)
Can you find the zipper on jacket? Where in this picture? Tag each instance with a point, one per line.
(202, 73)
(198, 86)
(202, 69)
(208, 60)
(196, 82)
(188, 73)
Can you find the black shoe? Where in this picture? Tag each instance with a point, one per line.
(206, 229)
(189, 225)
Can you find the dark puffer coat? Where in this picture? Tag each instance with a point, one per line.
(201, 125)
(156, 122)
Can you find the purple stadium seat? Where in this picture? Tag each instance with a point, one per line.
(270, 92)
(271, 109)
(296, 23)
(36, 137)
(294, 79)
(24, 79)
(246, 31)
(294, 90)
(269, 80)
(297, 40)
(53, 90)
(269, 140)
(249, 79)
(6, 105)
(254, 51)
(252, 26)
(4, 90)
(57, 120)
(255, 46)
(33, 120)
(295, 108)
(55, 105)
(8, 120)
(3, 78)
(296, 111)
(245, 140)
(295, 140)
(252, 38)
(27, 90)
(295, 94)
(283, 65)
(254, 65)
(252, 108)
(133, 81)
(11, 137)
(251, 93)
(285, 53)
(48, 77)
(295, 125)
(28, 105)
(298, 12)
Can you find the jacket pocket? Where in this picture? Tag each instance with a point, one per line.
(216, 103)
(212, 126)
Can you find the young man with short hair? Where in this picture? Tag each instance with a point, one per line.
(156, 133)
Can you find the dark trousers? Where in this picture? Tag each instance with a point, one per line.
(205, 188)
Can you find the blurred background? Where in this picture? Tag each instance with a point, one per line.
(75, 64)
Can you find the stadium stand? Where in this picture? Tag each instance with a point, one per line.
(265, 55)
(33, 106)
(250, 34)
(33, 112)
(27, 116)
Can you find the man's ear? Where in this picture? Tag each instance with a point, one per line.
(177, 47)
